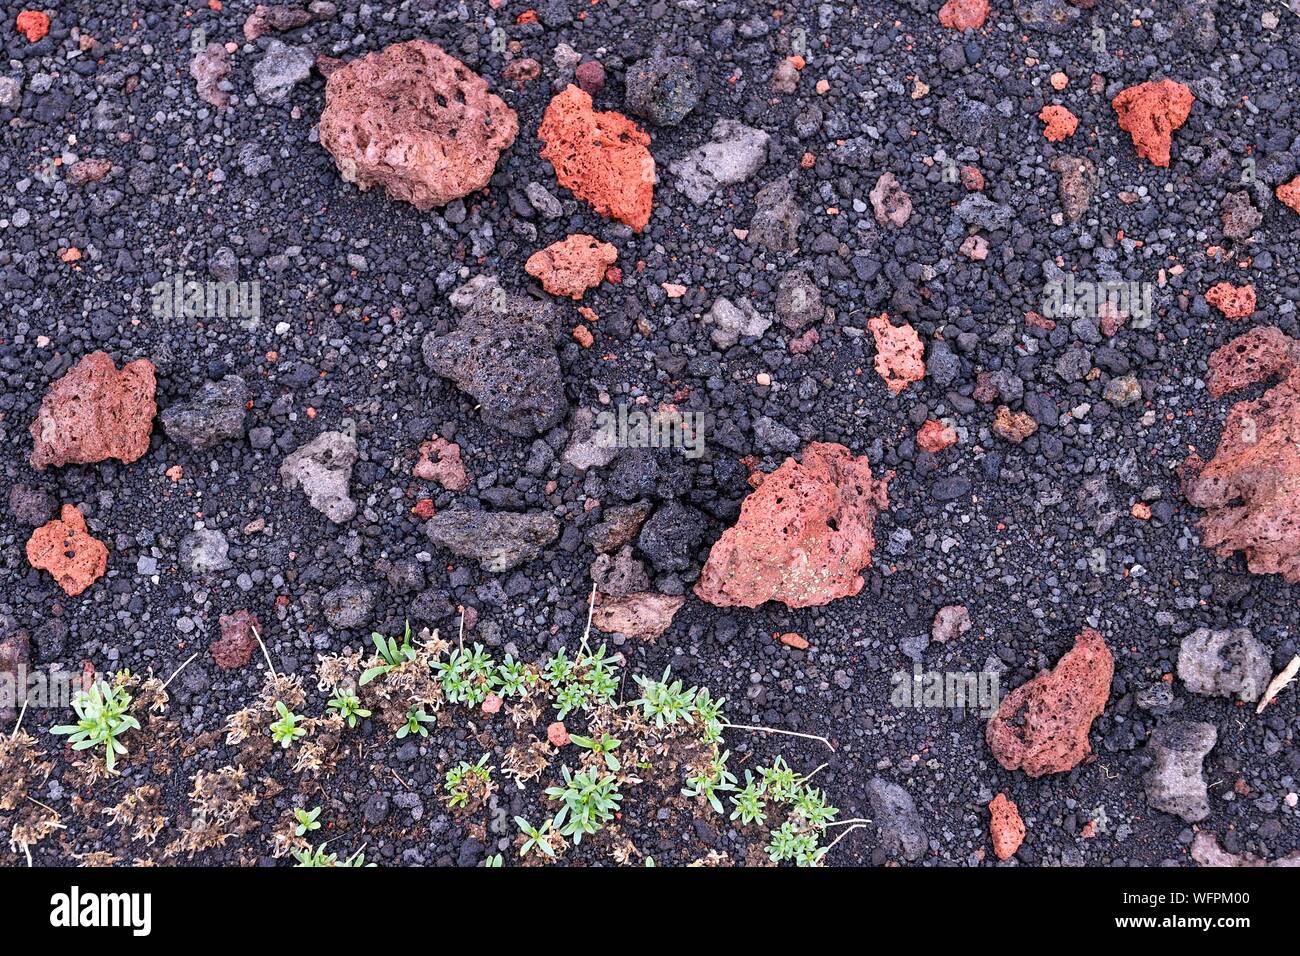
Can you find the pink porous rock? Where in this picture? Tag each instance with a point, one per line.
(1042, 726)
(935, 436)
(1289, 193)
(1234, 301)
(557, 734)
(590, 76)
(491, 703)
(602, 158)
(1150, 112)
(962, 15)
(234, 649)
(440, 462)
(642, 616)
(900, 357)
(1013, 426)
(1060, 123)
(65, 548)
(95, 412)
(803, 536)
(416, 121)
(573, 265)
(1005, 827)
(1250, 489)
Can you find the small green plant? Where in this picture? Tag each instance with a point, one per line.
(790, 844)
(392, 654)
(536, 838)
(514, 677)
(665, 703)
(587, 802)
(349, 706)
(494, 861)
(589, 681)
(286, 731)
(307, 820)
(319, 857)
(715, 779)
(778, 779)
(415, 721)
(605, 745)
(810, 804)
(462, 777)
(709, 712)
(748, 804)
(101, 720)
(467, 676)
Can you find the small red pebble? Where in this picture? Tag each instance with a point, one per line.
(491, 703)
(1142, 511)
(557, 734)
(32, 24)
(423, 509)
(935, 436)
(1235, 302)
(807, 161)
(582, 335)
(796, 641)
(590, 76)
(1061, 123)
(972, 179)
(528, 16)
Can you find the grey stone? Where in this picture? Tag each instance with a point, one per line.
(1175, 784)
(322, 468)
(498, 541)
(1223, 663)
(902, 829)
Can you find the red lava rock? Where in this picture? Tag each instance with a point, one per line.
(1235, 302)
(797, 641)
(234, 649)
(440, 462)
(1289, 193)
(950, 622)
(1256, 356)
(1005, 827)
(88, 171)
(935, 436)
(602, 158)
(557, 734)
(424, 509)
(590, 76)
(492, 703)
(1042, 726)
(804, 343)
(65, 548)
(900, 357)
(95, 412)
(964, 14)
(642, 616)
(209, 67)
(1250, 490)
(1150, 112)
(582, 335)
(1038, 321)
(975, 248)
(279, 18)
(1112, 319)
(32, 24)
(1061, 123)
(573, 265)
(523, 71)
(803, 536)
(1013, 426)
(890, 202)
(416, 121)
(972, 179)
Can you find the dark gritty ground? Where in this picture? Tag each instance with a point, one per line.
(1013, 545)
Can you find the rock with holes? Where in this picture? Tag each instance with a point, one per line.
(642, 616)
(900, 356)
(497, 540)
(573, 265)
(94, 412)
(1175, 783)
(1006, 828)
(235, 647)
(1224, 663)
(1150, 112)
(1042, 726)
(214, 415)
(902, 828)
(602, 158)
(65, 548)
(804, 534)
(322, 468)
(502, 353)
(416, 121)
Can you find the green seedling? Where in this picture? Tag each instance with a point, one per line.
(748, 804)
(665, 703)
(392, 654)
(101, 720)
(349, 706)
(605, 745)
(286, 731)
(536, 838)
(587, 802)
(716, 779)
(460, 777)
(307, 821)
(467, 676)
(415, 721)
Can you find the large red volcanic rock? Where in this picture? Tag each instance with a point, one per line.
(64, 547)
(1250, 489)
(803, 537)
(1150, 112)
(416, 121)
(1042, 726)
(95, 412)
(602, 158)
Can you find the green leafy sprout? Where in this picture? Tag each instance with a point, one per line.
(467, 676)
(416, 718)
(349, 706)
(307, 820)
(460, 777)
(286, 731)
(536, 838)
(604, 745)
(101, 720)
(392, 654)
(587, 802)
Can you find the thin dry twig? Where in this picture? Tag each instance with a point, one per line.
(1286, 676)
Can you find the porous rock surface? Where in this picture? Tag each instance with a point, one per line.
(1150, 112)
(416, 121)
(1042, 726)
(803, 536)
(65, 548)
(322, 468)
(602, 158)
(900, 356)
(1006, 828)
(94, 412)
(573, 265)
(1223, 663)
(1175, 783)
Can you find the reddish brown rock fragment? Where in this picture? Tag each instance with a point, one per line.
(1252, 357)
(1042, 726)
(88, 171)
(890, 202)
(1150, 112)
(440, 462)
(1060, 123)
(964, 14)
(523, 71)
(1005, 827)
(900, 356)
(935, 436)
(1013, 426)
(803, 536)
(416, 121)
(1289, 193)
(602, 158)
(235, 647)
(1235, 302)
(95, 412)
(642, 616)
(573, 265)
(65, 548)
